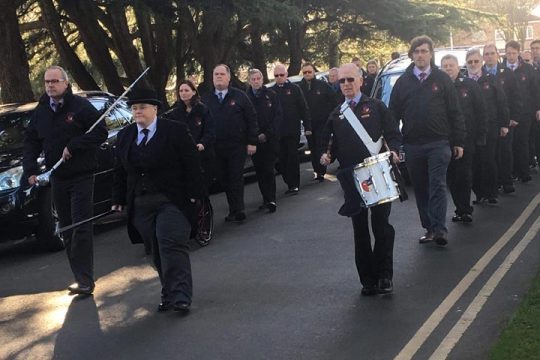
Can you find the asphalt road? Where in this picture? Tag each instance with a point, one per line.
(282, 286)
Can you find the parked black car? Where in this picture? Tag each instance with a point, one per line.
(26, 211)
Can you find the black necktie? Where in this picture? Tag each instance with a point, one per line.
(352, 104)
(145, 138)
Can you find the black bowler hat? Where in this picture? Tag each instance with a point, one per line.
(143, 96)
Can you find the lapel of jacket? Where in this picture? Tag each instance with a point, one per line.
(129, 137)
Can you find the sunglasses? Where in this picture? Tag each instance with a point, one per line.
(279, 75)
(470, 62)
(307, 72)
(347, 79)
(53, 81)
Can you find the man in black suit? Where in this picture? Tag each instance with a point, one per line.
(321, 101)
(157, 176)
(58, 128)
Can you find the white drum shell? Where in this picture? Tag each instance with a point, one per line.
(374, 180)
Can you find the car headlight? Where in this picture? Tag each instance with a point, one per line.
(11, 178)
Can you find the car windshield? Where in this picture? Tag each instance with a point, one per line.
(384, 87)
(12, 130)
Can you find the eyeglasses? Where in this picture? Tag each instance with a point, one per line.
(347, 79)
(490, 53)
(280, 75)
(421, 51)
(53, 81)
(470, 62)
(307, 72)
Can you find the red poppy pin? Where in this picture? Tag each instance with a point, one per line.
(486, 86)
(318, 92)
(435, 87)
(198, 121)
(523, 78)
(269, 103)
(464, 93)
(288, 91)
(69, 117)
(232, 103)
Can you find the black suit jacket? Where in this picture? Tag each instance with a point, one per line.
(176, 171)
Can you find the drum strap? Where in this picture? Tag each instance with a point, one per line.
(373, 147)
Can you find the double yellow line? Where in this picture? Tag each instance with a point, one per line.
(474, 308)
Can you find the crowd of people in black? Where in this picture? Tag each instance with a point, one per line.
(477, 130)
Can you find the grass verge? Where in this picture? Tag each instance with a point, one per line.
(520, 340)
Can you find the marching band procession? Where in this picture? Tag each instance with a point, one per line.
(469, 131)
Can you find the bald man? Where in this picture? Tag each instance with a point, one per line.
(295, 112)
(374, 265)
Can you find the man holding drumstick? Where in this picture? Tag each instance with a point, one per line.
(374, 265)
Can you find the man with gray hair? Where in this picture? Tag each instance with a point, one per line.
(58, 127)
(472, 106)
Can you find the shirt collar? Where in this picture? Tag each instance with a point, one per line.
(151, 128)
(223, 92)
(417, 71)
(53, 104)
(356, 99)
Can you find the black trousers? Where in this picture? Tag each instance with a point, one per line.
(74, 202)
(459, 180)
(265, 161)
(521, 147)
(485, 170)
(375, 262)
(165, 230)
(230, 160)
(289, 161)
(316, 149)
(505, 159)
(534, 143)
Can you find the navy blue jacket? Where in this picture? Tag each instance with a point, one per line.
(473, 108)
(529, 90)
(295, 109)
(235, 118)
(51, 132)
(508, 82)
(321, 101)
(199, 121)
(429, 110)
(269, 112)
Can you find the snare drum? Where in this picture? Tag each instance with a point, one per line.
(374, 180)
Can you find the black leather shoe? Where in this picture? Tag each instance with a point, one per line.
(238, 217)
(319, 178)
(508, 189)
(440, 240)
(466, 218)
(181, 307)
(493, 201)
(385, 286)
(164, 306)
(457, 218)
(479, 201)
(292, 191)
(271, 207)
(428, 237)
(369, 290)
(76, 288)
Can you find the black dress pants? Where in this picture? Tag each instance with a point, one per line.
(165, 230)
(74, 200)
(459, 180)
(230, 160)
(265, 161)
(375, 262)
(485, 170)
(505, 159)
(521, 147)
(289, 162)
(534, 143)
(316, 150)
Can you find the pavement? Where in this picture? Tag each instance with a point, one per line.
(282, 286)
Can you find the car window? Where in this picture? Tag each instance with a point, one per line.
(102, 105)
(13, 129)
(123, 115)
(384, 86)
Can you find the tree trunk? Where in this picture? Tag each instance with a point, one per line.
(68, 56)
(295, 39)
(333, 45)
(95, 39)
(116, 23)
(259, 58)
(14, 68)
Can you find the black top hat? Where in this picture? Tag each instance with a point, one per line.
(143, 96)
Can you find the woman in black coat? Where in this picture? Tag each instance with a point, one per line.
(190, 110)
